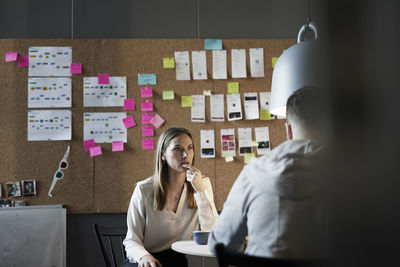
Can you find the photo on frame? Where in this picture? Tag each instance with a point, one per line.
(13, 189)
(28, 187)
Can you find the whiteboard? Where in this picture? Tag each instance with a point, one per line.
(33, 236)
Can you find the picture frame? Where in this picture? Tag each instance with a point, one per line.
(13, 189)
(28, 187)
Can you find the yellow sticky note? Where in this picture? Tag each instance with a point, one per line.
(274, 59)
(233, 88)
(229, 158)
(168, 94)
(265, 115)
(248, 157)
(168, 63)
(207, 92)
(186, 101)
(254, 143)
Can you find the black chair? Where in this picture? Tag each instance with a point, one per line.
(110, 240)
(228, 258)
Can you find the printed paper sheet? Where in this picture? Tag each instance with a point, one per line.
(49, 92)
(228, 147)
(219, 64)
(182, 67)
(245, 141)
(199, 65)
(104, 127)
(251, 106)
(207, 143)
(257, 62)
(234, 107)
(262, 138)
(49, 125)
(239, 63)
(198, 111)
(50, 61)
(104, 95)
(217, 107)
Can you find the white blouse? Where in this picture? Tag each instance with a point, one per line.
(151, 230)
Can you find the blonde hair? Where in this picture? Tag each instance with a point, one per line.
(160, 179)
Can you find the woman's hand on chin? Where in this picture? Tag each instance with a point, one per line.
(194, 176)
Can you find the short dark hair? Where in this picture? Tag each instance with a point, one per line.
(307, 107)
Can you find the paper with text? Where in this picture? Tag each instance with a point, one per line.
(49, 125)
(234, 107)
(245, 141)
(262, 138)
(239, 63)
(104, 127)
(251, 106)
(257, 62)
(198, 111)
(207, 143)
(104, 95)
(228, 147)
(182, 67)
(49, 92)
(50, 61)
(219, 64)
(217, 111)
(199, 65)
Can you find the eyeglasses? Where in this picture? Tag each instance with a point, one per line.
(58, 175)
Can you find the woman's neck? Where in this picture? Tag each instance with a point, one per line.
(176, 180)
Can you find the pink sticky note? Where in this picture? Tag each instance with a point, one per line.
(147, 92)
(129, 104)
(103, 78)
(11, 56)
(95, 151)
(87, 144)
(147, 130)
(117, 146)
(23, 61)
(147, 143)
(147, 105)
(157, 121)
(129, 122)
(76, 68)
(146, 117)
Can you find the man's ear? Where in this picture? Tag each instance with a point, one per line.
(289, 133)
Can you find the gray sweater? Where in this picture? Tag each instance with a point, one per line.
(277, 203)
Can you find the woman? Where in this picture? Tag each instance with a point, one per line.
(168, 206)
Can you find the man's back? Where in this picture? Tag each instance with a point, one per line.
(279, 201)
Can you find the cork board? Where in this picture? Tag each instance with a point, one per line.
(104, 184)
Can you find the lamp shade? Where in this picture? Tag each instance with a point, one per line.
(300, 65)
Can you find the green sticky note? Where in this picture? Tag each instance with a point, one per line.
(274, 59)
(168, 94)
(228, 158)
(265, 115)
(168, 63)
(248, 157)
(207, 92)
(186, 101)
(233, 88)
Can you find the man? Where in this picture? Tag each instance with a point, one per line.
(277, 199)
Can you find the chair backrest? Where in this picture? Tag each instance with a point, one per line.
(228, 258)
(110, 240)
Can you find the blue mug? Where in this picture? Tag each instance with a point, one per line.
(200, 237)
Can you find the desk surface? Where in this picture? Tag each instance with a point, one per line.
(191, 248)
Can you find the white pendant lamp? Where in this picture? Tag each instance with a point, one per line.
(302, 64)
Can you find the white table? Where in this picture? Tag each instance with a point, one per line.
(191, 248)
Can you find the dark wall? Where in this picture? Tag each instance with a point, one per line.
(72, 19)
